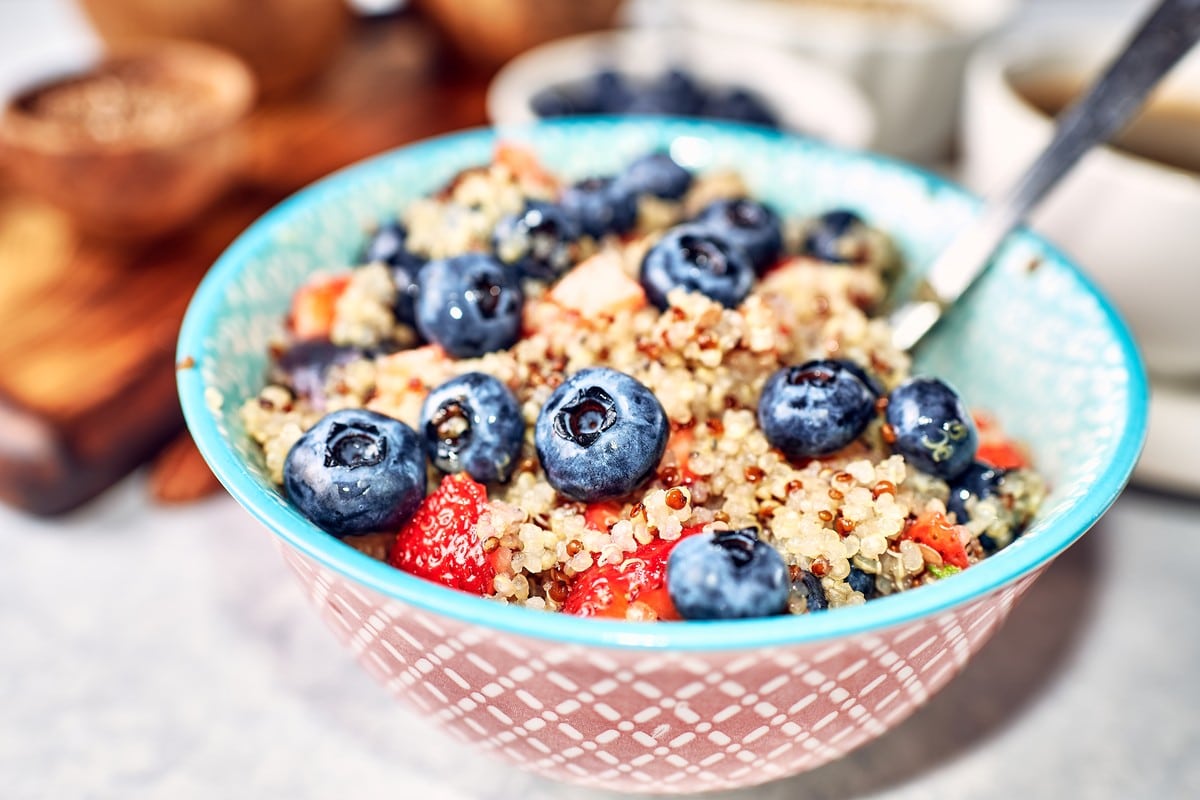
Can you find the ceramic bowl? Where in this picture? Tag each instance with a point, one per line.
(906, 55)
(677, 707)
(807, 97)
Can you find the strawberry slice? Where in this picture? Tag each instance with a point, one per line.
(934, 530)
(439, 542)
(601, 515)
(680, 446)
(608, 590)
(995, 449)
(1001, 453)
(314, 305)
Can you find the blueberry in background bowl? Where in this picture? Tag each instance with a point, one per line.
(675, 92)
(679, 71)
(1043, 350)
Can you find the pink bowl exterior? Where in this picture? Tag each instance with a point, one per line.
(645, 720)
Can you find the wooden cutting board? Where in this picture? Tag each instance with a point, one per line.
(88, 329)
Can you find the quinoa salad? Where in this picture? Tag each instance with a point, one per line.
(642, 396)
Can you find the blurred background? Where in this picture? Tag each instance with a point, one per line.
(139, 137)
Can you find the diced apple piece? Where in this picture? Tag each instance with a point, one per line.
(524, 166)
(598, 286)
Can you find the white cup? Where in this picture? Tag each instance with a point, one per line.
(1131, 222)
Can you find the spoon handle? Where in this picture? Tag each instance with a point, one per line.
(1164, 37)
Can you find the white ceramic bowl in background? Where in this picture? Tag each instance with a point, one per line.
(1133, 223)
(806, 97)
(910, 71)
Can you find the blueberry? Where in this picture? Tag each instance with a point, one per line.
(727, 575)
(740, 105)
(698, 260)
(473, 423)
(304, 366)
(933, 429)
(749, 224)
(815, 408)
(836, 237)
(978, 481)
(810, 586)
(862, 582)
(680, 93)
(537, 242)
(469, 304)
(405, 279)
(600, 434)
(863, 375)
(606, 92)
(649, 101)
(656, 174)
(389, 245)
(554, 102)
(356, 471)
(600, 206)
(674, 93)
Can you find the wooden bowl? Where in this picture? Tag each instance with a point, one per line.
(135, 146)
(284, 42)
(490, 32)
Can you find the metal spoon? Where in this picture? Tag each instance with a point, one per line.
(1165, 36)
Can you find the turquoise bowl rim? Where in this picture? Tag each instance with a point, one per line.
(973, 584)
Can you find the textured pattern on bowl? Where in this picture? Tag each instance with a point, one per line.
(651, 721)
(1037, 346)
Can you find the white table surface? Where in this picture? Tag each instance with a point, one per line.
(165, 653)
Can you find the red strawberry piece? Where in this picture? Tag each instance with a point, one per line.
(1001, 453)
(315, 304)
(601, 514)
(937, 532)
(608, 590)
(439, 543)
(996, 449)
(680, 446)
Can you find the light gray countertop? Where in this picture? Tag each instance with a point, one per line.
(166, 653)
